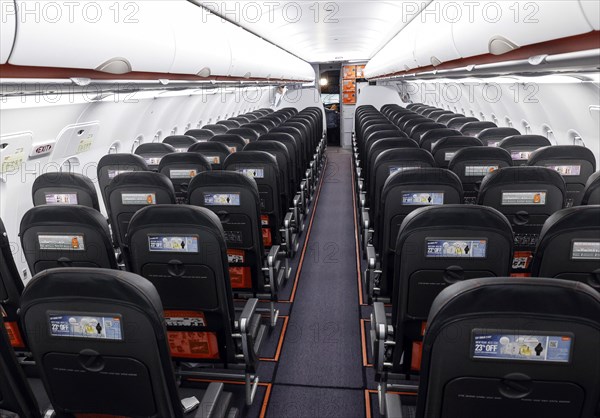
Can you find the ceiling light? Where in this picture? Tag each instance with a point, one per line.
(324, 82)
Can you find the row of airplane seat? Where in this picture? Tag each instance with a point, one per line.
(219, 213)
(445, 199)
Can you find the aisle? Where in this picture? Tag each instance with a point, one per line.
(320, 371)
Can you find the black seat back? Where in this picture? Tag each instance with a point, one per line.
(216, 129)
(202, 135)
(66, 236)
(153, 153)
(214, 152)
(527, 196)
(234, 142)
(402, 193)
(100, 344)
(293, 147)
(569, 246)
(257, 127)
(230, 124)
(11, 287)
(181, 143)
(472, 164)
(430, 138)
(182, 251)
(512, 353)
(111, 165)
(390, 161)
(16, 396)
(522, 146)
(437, 247)
(591, 193)
(64, 189)
(235, 199)
(575, 163)
(285, 164)
(181, 168)
(491, 137)
(475, 128)
(249, 134)
(129, 192)
(459, 122)
(269, 177)
(423, 128)
(444, 150)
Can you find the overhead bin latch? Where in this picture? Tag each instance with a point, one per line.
(537, 59)
(115, 66)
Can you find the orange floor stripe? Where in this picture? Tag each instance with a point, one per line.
(310, 224)
(356, 239)
(280, 343)
(265, 404)
(363, 336)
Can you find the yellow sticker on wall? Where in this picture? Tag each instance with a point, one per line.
(12, 163)
(85, 144)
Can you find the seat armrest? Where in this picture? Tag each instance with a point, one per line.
(371, 257)
(246, 316)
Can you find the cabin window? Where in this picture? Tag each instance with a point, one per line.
(114, 148)
(136, 143)
(526, 127)
(481, 116)
(157, 136)
(174, 131)
(494, 119)
(576, 139)
(508, 122)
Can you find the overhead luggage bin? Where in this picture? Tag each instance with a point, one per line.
(434, 43)
(176, 37)
(8, 29)
(97, 39)
(500, 27)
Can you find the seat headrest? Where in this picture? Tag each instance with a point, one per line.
(456, 141)
(163, 215)
(74, 283)
(200, 134)
(492, 134)
(250, 157)
(210, 147)
(259, 128)
(141, 178)
(530, 141)
(276, 136)
(591, 186)
(215, 178)
(191, 158)
(217, 129)
(229, 139)
(436, 134)
(519, 175)
(425, 177)
(63, 215)
(562, 152)
(180, 141)
(155, 148)
(476, 127)
(578, 217)
(481, 154)
(404, 154)
(246, 133)
(67, 180)
(266, 145)
(385, 133)
(395, 142)
(123, 160)
(456, 216)
(515, 296)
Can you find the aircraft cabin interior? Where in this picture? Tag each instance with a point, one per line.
(328, 209)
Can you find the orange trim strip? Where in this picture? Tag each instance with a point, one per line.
(367, 404)
(265, 404)
(363, 335)
(280, 343)
(358, 269)
(312, 218)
